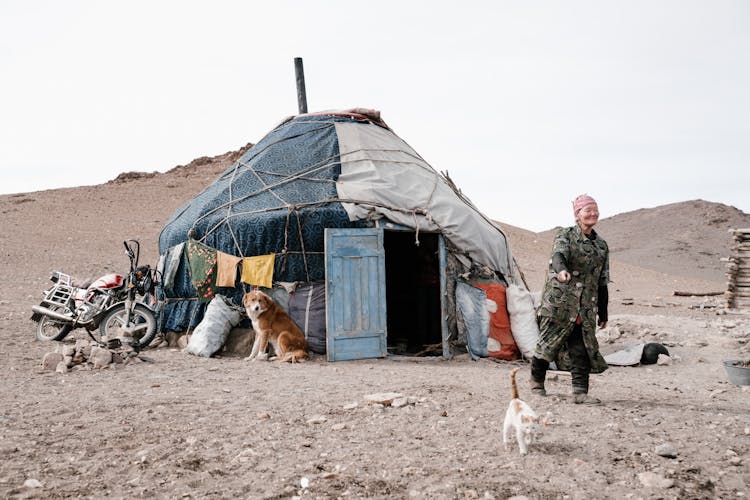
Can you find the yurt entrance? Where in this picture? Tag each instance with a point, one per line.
(383, 293)
(412, 277)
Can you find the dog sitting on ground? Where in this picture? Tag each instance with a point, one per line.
(272, 324)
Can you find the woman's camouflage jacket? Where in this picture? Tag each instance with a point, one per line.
(588, 263)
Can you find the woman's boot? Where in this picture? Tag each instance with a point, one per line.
(538, 374)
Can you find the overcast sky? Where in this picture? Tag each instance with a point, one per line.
(525, 104)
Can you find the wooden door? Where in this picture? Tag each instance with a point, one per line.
(355, 294)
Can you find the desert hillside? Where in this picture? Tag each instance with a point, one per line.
(654, 251)
(685, 239)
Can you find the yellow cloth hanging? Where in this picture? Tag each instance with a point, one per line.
(258, 270)
(227, 269)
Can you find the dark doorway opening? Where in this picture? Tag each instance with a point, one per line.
(412, 278)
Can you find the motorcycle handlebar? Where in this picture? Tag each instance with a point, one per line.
(133, 255)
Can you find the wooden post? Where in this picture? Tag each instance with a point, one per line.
(299, 72)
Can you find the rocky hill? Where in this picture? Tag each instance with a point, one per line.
(81, 229)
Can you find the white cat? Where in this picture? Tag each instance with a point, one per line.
(521, 419)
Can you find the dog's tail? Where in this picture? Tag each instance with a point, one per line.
(296, 356)
(513, 386)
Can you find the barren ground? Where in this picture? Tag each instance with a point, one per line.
(177, 426)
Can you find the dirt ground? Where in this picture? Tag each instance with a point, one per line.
(177, 426)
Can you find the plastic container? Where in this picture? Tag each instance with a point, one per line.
(738, 375)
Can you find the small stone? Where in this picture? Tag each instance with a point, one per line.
(81, 344)
(62, 367)
(338, 427)
(664, 360)
(350, 406)
(400, 402)
(666, 450)
(32, 483)
(317, 419)
(100, 357)
(304, 482)
(263, 416)
(735, 461)
(653, 480)
(51, 360)
(383, 398)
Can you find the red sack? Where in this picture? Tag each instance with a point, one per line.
(499, 325)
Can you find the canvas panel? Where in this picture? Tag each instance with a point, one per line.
(378, 173)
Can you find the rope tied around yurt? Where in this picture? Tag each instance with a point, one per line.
(269, 181)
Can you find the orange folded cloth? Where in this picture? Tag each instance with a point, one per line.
(226, 274)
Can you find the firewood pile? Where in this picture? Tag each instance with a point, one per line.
(738, 271)
(88, 355)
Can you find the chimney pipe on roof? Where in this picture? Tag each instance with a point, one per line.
(300, 77)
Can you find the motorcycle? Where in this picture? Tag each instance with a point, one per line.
(115, 304)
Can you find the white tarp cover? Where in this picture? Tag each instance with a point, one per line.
(378, 171)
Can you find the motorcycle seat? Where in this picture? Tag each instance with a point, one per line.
(80, 283)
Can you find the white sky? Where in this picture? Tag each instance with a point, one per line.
(525, 104)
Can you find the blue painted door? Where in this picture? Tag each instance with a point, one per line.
(355, 294)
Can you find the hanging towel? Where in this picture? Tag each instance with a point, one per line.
(202, 261)
(226, 264)
(172, 263)
(258, 270)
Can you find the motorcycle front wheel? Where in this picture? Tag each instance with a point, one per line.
(142, 319)
(50, 329)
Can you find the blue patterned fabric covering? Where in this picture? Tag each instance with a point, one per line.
(282, 187)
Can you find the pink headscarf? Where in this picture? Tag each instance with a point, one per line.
(582, 201)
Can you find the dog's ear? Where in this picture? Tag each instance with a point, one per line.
(245, 299)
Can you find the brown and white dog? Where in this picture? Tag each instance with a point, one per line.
(272, 324)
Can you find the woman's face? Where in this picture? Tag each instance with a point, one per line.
(588, 215)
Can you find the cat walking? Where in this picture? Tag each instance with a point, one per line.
(521, 420)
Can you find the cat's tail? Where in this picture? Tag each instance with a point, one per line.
(513, 386)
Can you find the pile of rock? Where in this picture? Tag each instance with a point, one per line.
(738, 271)
(87, 355)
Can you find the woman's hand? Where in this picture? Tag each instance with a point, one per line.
(563, 276)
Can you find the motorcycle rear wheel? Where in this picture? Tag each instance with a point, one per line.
(50, 329)
(144, 319)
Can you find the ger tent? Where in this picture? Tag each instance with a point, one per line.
(339, 199)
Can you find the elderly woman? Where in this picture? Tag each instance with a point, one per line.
(574, 294)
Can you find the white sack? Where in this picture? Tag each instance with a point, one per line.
(213, 330)
(523, 325)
